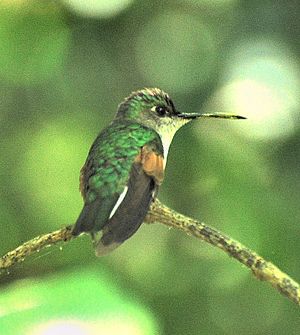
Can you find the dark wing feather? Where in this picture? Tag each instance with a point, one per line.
(145, 176)
(94, 215)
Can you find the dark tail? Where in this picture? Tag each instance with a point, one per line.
(130, 214)
(94, 216)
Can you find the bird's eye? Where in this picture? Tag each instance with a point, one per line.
(161, 111)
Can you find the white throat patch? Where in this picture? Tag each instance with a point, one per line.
(167, 132)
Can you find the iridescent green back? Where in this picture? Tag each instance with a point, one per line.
(110, 159)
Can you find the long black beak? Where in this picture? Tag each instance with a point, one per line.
(190, 116)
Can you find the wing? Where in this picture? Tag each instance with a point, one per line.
(107, 170)
(146, 175)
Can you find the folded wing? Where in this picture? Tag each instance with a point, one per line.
(145, 177)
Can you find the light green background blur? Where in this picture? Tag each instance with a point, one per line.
(64, 67)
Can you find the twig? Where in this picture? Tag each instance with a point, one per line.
(35, 245)
(159, 213)
(261, 268)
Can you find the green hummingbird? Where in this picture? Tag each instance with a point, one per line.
(126, 164)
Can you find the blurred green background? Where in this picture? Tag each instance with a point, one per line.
(64, 67)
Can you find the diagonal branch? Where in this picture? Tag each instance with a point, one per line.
(159, 213)
(261, 268)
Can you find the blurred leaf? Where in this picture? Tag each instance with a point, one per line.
(177, 51)
(100, 8)
(77, 302)
(34, 43)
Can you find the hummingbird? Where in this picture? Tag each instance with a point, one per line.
(126, 165)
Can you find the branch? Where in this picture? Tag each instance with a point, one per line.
(159, 213)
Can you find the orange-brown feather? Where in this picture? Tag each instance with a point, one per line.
(152, 163)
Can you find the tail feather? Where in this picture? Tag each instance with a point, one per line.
(94, 216)
(118, 224)
(130, 214)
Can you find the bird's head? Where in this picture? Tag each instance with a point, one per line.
(154, 108)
